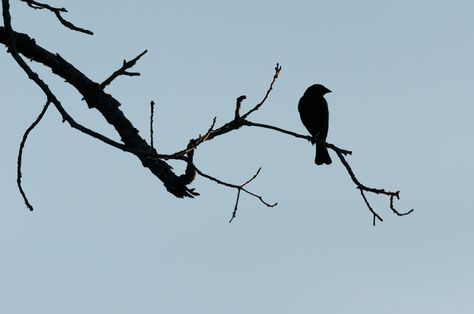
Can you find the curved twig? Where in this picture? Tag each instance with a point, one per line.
(57, 11)
(20, 153)
(363, 188)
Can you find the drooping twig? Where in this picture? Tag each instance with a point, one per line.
(152, 113)
(239, 188)
(57, 11)
(367, 203)
(397, 195)
(362, 188)
(20, 154)
(123, 70)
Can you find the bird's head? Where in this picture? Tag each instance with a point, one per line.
(317, 89)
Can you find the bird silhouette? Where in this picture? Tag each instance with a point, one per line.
(314, 114)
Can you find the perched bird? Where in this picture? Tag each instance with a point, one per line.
(314, 114)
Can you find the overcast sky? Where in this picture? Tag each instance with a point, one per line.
(105, 236)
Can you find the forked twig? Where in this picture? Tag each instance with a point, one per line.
(123, 70)
(57, 11)
(239, 188)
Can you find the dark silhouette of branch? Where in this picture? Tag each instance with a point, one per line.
(240, 121)
(239, 188)
(237, 106)
(52, 98)
(362, 188)
(123, 70)
(257, 106)
(95, 97)
(193, 143)
(20, 154)
(57, 12)
(152, 113)
(306, 137)
(397, 195)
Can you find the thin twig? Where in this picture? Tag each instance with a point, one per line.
(306, 137)
(395, 210)
(234, 124)
(239, 189)
(370, 207)
(152, 113)
(123, 70)
(57, 11)
(363, 188)
(20, 154)
(275, 77)
(193, 144)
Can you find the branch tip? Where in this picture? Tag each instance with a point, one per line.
(237, 106)
(57, 11)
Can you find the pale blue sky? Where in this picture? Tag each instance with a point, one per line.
(107, 238)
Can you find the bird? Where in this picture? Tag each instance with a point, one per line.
(314, 114)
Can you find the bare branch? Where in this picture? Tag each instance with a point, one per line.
(44, 87)
(234, 124)
(57, 11)
(239, 188)
(240, 121)
(123, 70)
(370, 207)
(96, 98)
(193, 143)
(306, 137)
(275, 76)
(20, 153)
(395, 210)
(362, 188)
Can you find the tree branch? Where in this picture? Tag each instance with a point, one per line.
(57, 11)
(95, 98)
(108, 106)
(275, 77)
(362, 188)
(239, 189)
(240, 121)
(123, 70)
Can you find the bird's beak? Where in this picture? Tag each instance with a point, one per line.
(328, 91)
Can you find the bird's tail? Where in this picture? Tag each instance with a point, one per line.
(322, 155)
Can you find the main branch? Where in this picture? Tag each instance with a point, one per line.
(96, 98)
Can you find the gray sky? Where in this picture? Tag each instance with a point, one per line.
(107, 238)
